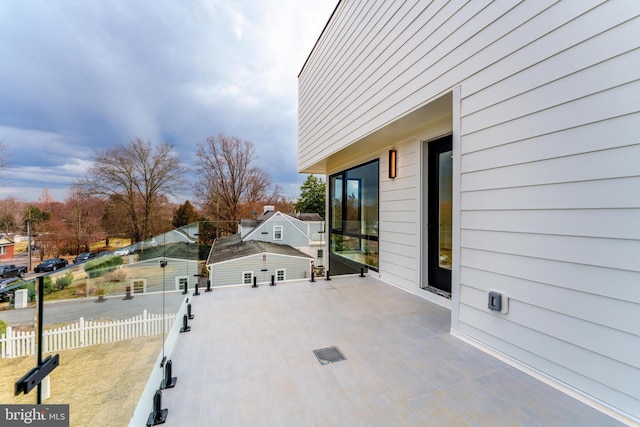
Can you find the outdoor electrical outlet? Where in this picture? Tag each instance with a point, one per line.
(498, 302)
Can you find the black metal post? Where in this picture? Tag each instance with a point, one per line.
(196, 292)
(189, 315)
(255, 282)
(169, 380)
(361, 271)
(185, 324)
(186, 288)
(157, 415)
(40, 331)
(208, 285)
(313, 279)
(328, 276)
(273, 280)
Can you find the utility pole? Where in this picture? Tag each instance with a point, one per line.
(29, 243)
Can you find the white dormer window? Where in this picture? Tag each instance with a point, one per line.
(277, 232)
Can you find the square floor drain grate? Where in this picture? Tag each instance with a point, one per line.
(329, 355)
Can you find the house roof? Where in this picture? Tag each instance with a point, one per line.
(302, 216)
(4, 240)
(232, 247)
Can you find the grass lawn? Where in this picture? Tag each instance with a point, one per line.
(101, 383)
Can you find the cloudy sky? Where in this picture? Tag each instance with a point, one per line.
(77, 77)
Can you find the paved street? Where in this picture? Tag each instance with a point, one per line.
(89, 309)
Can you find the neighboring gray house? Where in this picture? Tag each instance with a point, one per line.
(303, 231)
(285, 246)
(473, 147)
(233, 261)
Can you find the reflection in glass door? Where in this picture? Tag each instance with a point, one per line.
(440, 214)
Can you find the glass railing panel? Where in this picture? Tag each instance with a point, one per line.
(107, 319)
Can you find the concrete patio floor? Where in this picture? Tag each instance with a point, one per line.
(248, 361)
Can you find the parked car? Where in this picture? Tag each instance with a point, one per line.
(11, 270)
(51, 264)
(84, 257)
(7, 294)
(6, 282)
(122, 252)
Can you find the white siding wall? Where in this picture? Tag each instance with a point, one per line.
(549, 166)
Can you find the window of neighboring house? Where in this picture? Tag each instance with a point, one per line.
(353, 214)
(139, 286)
(320, 253)
(277, 232)
(3, 250)
(247, 277)
(280, 275)
(180, 281)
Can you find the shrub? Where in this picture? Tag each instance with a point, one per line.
(3, 327)
(48, 285)
(98, 267)
(64, 281)
(116, 276)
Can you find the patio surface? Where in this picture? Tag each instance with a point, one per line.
(248, 361)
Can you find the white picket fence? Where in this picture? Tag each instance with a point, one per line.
(83, 334)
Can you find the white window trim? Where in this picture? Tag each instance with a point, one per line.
(281, 229)
(284, 274)
(178, 284)
(144, 285)
(250, 280)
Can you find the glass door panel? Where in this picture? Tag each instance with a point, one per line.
(439, 187)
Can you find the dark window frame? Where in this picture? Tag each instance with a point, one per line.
(344, 230)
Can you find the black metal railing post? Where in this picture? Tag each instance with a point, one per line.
(185, 324)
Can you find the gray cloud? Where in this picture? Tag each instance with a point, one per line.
(84, 76)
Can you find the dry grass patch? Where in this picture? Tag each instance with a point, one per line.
(101, 383)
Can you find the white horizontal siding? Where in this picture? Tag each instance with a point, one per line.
(605, 164)
(618, 101)
(620, 193)
(549, 194)
(602, 223)
(601, 344)
(564, 38)
(609, 283)
(600, 311)
(601, 135)
(399, 213)
(584, 370)
(611, 253)
(550, 199)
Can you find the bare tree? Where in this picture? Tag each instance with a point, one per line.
(138, 177)
(10, 215)
(4, 155)
(82, 216)
(228, 182)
